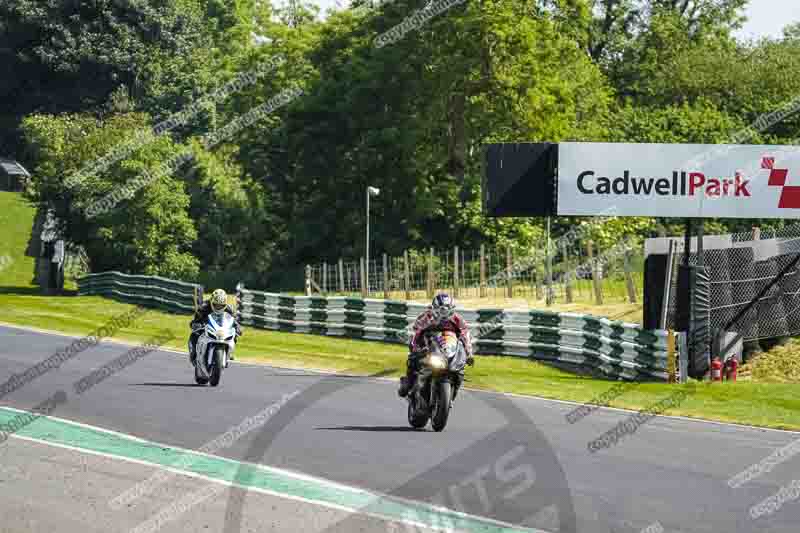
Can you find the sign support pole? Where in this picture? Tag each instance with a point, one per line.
(682, 310)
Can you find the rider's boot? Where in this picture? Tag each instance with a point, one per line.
(406, 382)
(458, 382)
(192, 355)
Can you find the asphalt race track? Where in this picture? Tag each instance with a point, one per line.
(501, 461)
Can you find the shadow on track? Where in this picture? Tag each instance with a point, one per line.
(165, 385)
(371, 428)
(322, 375)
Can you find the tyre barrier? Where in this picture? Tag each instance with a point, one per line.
(616, 349)
(148, 291)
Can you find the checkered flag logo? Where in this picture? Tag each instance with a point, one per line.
(790, 195)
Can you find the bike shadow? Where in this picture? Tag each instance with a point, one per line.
(166, 385)
(369, 428)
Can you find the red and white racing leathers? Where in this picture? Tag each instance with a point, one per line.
(456, 324)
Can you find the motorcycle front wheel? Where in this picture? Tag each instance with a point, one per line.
(216, 370)
(441, 409)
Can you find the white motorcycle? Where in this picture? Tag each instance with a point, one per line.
(213, 348)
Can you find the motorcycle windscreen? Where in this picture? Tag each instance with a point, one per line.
(220, 320)
(454, 351)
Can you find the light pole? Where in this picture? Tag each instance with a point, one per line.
(371, 191)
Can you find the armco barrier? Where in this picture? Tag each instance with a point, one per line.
(150, 291)
(616, 349)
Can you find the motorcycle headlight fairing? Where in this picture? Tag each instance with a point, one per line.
(437, 362)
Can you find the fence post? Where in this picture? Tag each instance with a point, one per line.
(756, 233)
(324, 278)
(455, 271)
(430, 274)
(239, 289)
(509, 283)
(482, 291)
(537, 282)
(405, 267)
(341, 276)
(567, 272)
(385, 277)
(671, 367)
(363, 276)
(598, 289)
(308, 280)
(549, 267)
(629, 275)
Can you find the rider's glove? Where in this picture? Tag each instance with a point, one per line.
(470, 360)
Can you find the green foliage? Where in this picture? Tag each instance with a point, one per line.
(151, 233)
(701, 122)
(411, 117)
(669, 65)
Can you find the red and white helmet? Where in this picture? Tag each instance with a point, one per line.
(443, 306)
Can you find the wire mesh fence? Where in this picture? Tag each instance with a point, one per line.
(579, 274)
(741, 266)
(76, 263)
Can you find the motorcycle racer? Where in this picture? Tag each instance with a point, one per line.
(216, 304)
(440, 316)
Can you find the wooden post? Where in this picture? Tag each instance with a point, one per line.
(537, 282)
(482, 291)
(671, 369)
(455, 272)
(324, 278)
(509, 283)
(308, 280)
(385, 277)
(363, 276)
(549, 267)
(341, 276)
(406, 285)
(598, 290)
(430, 275)
(629, 275)
(567, 273)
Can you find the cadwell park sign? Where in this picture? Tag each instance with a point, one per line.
(657, 180)
(678, 180)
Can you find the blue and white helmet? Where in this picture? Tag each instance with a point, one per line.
(443, 306)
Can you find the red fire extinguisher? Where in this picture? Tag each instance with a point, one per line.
(716, 370)
(731, 365)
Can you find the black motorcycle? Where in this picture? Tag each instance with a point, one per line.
(440, 372)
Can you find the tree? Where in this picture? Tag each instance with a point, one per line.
(149, 233)
(68, 57)
(410, 118)
(618, 23)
